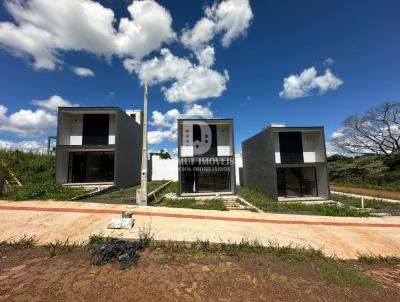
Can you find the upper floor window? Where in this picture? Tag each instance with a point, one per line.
(291, 147)
(95, 129)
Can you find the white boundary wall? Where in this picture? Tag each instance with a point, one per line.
(167, 169)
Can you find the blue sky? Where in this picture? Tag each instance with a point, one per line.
(256, 46)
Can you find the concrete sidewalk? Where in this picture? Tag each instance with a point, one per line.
(343, 236)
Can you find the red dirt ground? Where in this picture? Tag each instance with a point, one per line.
(32, 275)
(367, 192)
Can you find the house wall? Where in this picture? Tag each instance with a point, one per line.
(167, 169)
(111, 129)
(164, 169)
(128, 157)
(186, 148)
(323, 181)
(313, 148)
(258, 153)
(76, 127)
(224, 139)
(62, 157)
(71, 128)
(64, 122)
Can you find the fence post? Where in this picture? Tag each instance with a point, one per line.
(362, 202)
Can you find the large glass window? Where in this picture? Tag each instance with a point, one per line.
(291, 147)
(297, 182)
(85, 167)
(197, 178)
(95, 129)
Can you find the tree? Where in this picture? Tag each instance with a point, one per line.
(164, 155)
(377, 131)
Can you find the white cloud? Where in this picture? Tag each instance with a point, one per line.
(230, 17)
(190, 82)
(158, 70)
(206, 56)
(26, 146)
(202, 33)
(27, 122)
(328, 62)
(198, 83)
(337, 134)
(44, 28)
(53, 103)
(157, 137)
(166, 124)
(297, 86)
(83, 72)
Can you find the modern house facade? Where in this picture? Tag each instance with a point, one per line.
(287, 162)
(206, 161)
(98, 146)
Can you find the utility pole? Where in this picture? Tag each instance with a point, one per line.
(141, 195)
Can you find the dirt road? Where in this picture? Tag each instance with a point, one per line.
(32, 275)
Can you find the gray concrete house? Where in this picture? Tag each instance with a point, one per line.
(287, 163)
(98, 146)
(206, 157)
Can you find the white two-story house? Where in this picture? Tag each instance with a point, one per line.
(206, 156)
(98, 146)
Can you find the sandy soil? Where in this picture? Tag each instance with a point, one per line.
(32, 275)
(366, 192)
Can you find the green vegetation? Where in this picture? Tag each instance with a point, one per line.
(43, 191)
(379, 259)
(36, 173)
(332, 269)
(191, 203)
(61, 247)
(368, 203)
(125, 195)
(20, 243)
(368, 171)
(171, 188)
(263, 202)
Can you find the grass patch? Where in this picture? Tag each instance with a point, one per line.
(263, 202)
(191, 203)
(61, 247)
(378, 259)
(337, 272)
(127, 194)
(368, 203)
(330, 268)
(23, 242)
(43, 191)
(95, 239)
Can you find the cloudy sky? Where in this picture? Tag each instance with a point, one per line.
(302, 63)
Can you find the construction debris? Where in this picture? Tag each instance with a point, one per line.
(126, 252)
(124, 222)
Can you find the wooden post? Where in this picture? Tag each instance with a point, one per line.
(362, 202)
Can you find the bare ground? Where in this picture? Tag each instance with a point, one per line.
(366, 192)
(32, 275)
